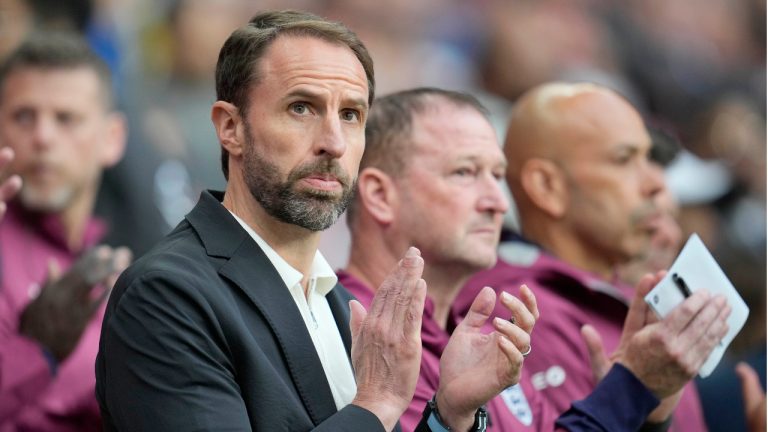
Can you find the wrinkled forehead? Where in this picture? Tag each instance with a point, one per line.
(292, 60)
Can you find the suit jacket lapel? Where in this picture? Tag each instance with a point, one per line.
(252, 272)
(338, 300)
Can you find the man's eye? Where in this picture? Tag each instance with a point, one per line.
(350, 115)
(65, 118)
(463, 172)
(299, 108)
(24, 117)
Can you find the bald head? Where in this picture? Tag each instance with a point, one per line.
(556, 120)
(578, 168)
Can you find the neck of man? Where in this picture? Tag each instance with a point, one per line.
(371, 263)
(74, 219)
(296, 245)
(568, 247)
(443, 286)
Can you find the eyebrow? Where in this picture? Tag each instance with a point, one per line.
(300, 93)
(475, 159)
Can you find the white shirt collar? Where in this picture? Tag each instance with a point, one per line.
(321, 271)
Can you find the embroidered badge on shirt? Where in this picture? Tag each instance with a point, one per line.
(518, 404)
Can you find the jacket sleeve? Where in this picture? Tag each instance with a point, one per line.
(166, 363)
(620, 402)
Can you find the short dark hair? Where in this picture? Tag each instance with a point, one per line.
(57, 50)
(389, 127)
(237, 70)
(390, 123)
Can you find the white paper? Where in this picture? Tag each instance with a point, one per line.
(696, 266)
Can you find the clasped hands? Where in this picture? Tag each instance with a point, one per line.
(475, 366)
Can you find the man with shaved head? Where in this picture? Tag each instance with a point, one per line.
(587, 200)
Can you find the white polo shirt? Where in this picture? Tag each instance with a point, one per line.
(318, 317)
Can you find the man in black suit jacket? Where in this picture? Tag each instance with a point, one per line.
(232, 322)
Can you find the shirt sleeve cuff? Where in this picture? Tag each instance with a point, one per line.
(620, 402)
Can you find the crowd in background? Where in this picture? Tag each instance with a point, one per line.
(695, 68)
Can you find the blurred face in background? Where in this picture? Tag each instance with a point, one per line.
(58, 124)
(612, 184)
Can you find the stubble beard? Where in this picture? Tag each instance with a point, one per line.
(39, 201)
(314, 210)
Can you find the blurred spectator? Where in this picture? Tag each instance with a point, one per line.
(666, 235)
(56, 114)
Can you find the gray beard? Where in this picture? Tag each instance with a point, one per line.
(312, 210)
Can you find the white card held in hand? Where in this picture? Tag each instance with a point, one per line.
(695, 269)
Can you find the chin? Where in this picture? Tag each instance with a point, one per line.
(45, 201)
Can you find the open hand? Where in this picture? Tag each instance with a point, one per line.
(386, 341)
(475, 367)
(663, 354)
(65, 305)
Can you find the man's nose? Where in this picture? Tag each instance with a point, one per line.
(493, 198)
(331, 140)
(43, 133)
(653, 179)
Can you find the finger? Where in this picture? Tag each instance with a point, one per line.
(357, 314)
(406, 299)
(750, 388)
(385, 299)
(415, 312)
(523, 317)
(529, 300)
(598, 360)
(636, 316)
(704, 333)
(479, 311)
(6, 156)
(519, 337)
(10, 187)
(685, 312)
(515, 358)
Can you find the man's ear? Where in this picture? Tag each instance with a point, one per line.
(113, 147)
(377, 194)
(545, 185)
(227, 120)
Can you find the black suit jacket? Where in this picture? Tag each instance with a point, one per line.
(202, 334)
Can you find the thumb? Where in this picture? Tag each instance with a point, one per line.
(638, 309)
(481, 309)
(357, 314)
(597, 358)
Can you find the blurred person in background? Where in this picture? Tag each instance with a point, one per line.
(56, 115)
(666, 234)
(430, 176)
(586, 196)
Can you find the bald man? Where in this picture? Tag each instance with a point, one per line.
(586, 196)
